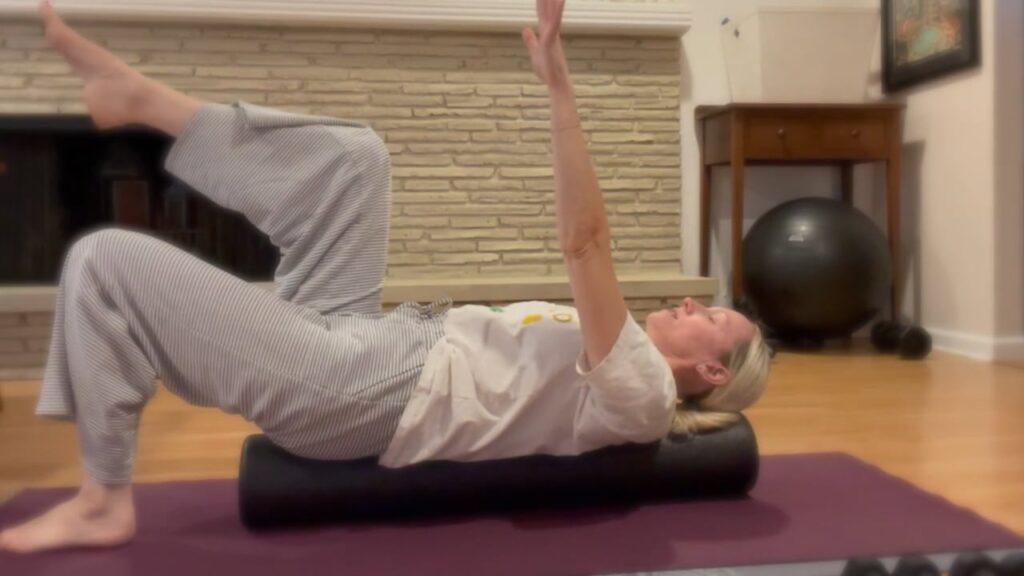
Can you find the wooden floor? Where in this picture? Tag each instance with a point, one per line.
(950, 425)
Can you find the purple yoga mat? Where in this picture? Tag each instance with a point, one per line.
(804, 508)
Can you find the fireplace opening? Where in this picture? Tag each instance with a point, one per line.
(61, 178)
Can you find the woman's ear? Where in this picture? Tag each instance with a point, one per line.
(713, 373)
(692, 379)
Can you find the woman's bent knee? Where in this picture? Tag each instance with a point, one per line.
(101, 243)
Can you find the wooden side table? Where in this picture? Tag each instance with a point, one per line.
(740, 135)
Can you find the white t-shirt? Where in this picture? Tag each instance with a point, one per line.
(514, 381)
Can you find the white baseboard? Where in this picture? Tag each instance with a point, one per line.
(1010, 349)
(1003, 349)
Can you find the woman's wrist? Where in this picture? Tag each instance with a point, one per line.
(563, 110)
(561, 88)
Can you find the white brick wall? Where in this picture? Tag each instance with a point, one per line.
(462, 114)
(24, 339)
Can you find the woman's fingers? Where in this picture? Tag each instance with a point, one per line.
(549, 15)
(543, 15)
(46, 10)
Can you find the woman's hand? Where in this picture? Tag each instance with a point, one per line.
(546, 50)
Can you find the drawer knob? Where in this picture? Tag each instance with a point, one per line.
(781, 132)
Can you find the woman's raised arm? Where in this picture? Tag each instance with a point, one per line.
(582, 221)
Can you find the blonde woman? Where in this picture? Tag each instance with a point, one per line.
(322, 371)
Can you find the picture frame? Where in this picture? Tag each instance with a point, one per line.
(927, 39)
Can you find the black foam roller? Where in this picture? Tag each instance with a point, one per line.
(277, 489)
(1012, 565)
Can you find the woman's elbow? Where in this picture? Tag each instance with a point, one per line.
(584, 244)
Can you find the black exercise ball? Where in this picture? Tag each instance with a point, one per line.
(815, 268)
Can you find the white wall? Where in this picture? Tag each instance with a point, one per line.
(950, 143)
(1010, 177)
(963, 212)
(964, 169)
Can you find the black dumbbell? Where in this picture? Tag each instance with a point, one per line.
(884, 336)
(912, 342)
(865, 567)
(974, 564)
(916, 566)
(1012, 565)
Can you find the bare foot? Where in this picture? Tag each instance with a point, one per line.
(113, 91)
(87, 520)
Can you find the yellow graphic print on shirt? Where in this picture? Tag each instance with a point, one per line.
(531, 318)
(560, 317)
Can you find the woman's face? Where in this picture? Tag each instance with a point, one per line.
(694, 333)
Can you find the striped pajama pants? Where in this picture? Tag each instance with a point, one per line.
(318, 367)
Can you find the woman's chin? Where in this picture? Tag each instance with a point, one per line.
(658, 321)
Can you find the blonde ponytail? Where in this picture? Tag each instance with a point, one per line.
(748, 365)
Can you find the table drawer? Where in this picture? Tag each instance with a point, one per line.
(780, 138)
(856, 138)
(814, 137)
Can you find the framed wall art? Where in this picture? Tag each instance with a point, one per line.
(927, 39)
